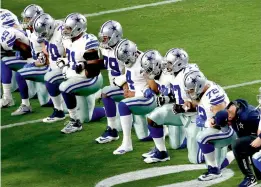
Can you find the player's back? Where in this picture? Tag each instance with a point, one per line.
(136, 81)
(10, 35)
(36, 47)
(177, 84)
(76, 49)
(214, 95)
(55, 46)
(7, 18)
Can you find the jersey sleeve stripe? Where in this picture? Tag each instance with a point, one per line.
(217, 98)
(11, 40)
(9, 23)
(93, 46)
(91, 42)
(217, 101)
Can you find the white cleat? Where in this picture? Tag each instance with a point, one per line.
(23, 109)
(72, 126)
(57, 115)
(150, 153)
(5, 103)
(108, 136)
(122, 150)
(158, 156)
(212, 173)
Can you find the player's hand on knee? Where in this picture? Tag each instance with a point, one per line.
(176, 108)
(62, 62)
(160, 100)
(79, 67)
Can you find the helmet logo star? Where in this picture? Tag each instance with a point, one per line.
(114, 28)
(194, 80)
(125, 51)
(149, 58)
(178, 55)
(43, 24)
(77, 19)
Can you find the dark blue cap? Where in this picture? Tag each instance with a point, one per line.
(221, 118)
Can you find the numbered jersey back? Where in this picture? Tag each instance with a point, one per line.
(75, 50)
(177, 84)
(136, 81)
(111, 64)
(164, 83)
(7, 18)
(10, 35)
(35, 46)
(213, 96)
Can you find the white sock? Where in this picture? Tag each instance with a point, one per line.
(26, 102)
(160, 144)
(111, 122)
(210, 159)
(230, 156)
(73, 113)
(7, 91)
(126, 122)
(57, 102)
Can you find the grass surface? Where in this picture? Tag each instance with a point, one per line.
(223, 37)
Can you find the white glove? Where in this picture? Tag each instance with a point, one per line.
(42, 58)
(119, 80)
(62, 62)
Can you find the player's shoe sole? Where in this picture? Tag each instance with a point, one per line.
(52, 120)
(209, 177)
(155, 160)
(102, 140)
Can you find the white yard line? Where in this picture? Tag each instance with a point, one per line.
(130, 8)
(39, 120)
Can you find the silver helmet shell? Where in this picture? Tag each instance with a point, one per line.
(74, 25)
(110, 33)
(29, 15)
(126, 52)
(151, 63)
(175, 60)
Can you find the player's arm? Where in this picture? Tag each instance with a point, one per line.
(92, 64)
(24, 49)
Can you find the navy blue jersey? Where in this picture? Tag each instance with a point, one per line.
(247, 119)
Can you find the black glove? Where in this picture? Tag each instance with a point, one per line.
(79, 67)
(161, 100)
(177, 109)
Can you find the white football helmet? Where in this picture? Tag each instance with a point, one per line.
(29, 15)
(126, 51)
(194, 82)
(44, 26)
(175, 60)
(74, 25)
(151, 63)
(110, 34)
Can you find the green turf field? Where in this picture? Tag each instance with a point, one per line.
(221, 36)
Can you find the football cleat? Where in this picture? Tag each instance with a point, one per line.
(57, 115)
(212, 173)
(248, 182)
(72, 126)
(108, 136)
(150, 153)
(23, 109)
(158, 156)
(122, 150)
(4, 102)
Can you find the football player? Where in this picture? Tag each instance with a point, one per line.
(109, 36)
(13, 38)
(49, 31)
(135, 97)
(78, 73)
(209, 98)
(175, 66)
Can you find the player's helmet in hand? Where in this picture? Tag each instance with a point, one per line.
(110, 34)
(174, 60)
(126, 52)
(74, 25)
(151, 63)
(29, 15)
(44, 26)
(194, 82)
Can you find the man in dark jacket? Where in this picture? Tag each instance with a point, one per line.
(244, 119)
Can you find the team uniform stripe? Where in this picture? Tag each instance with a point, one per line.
(142, 103)
(218, 136)
(52, 79)
(82, 84)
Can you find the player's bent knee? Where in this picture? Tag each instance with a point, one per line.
(63, 86)
(123, 109)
